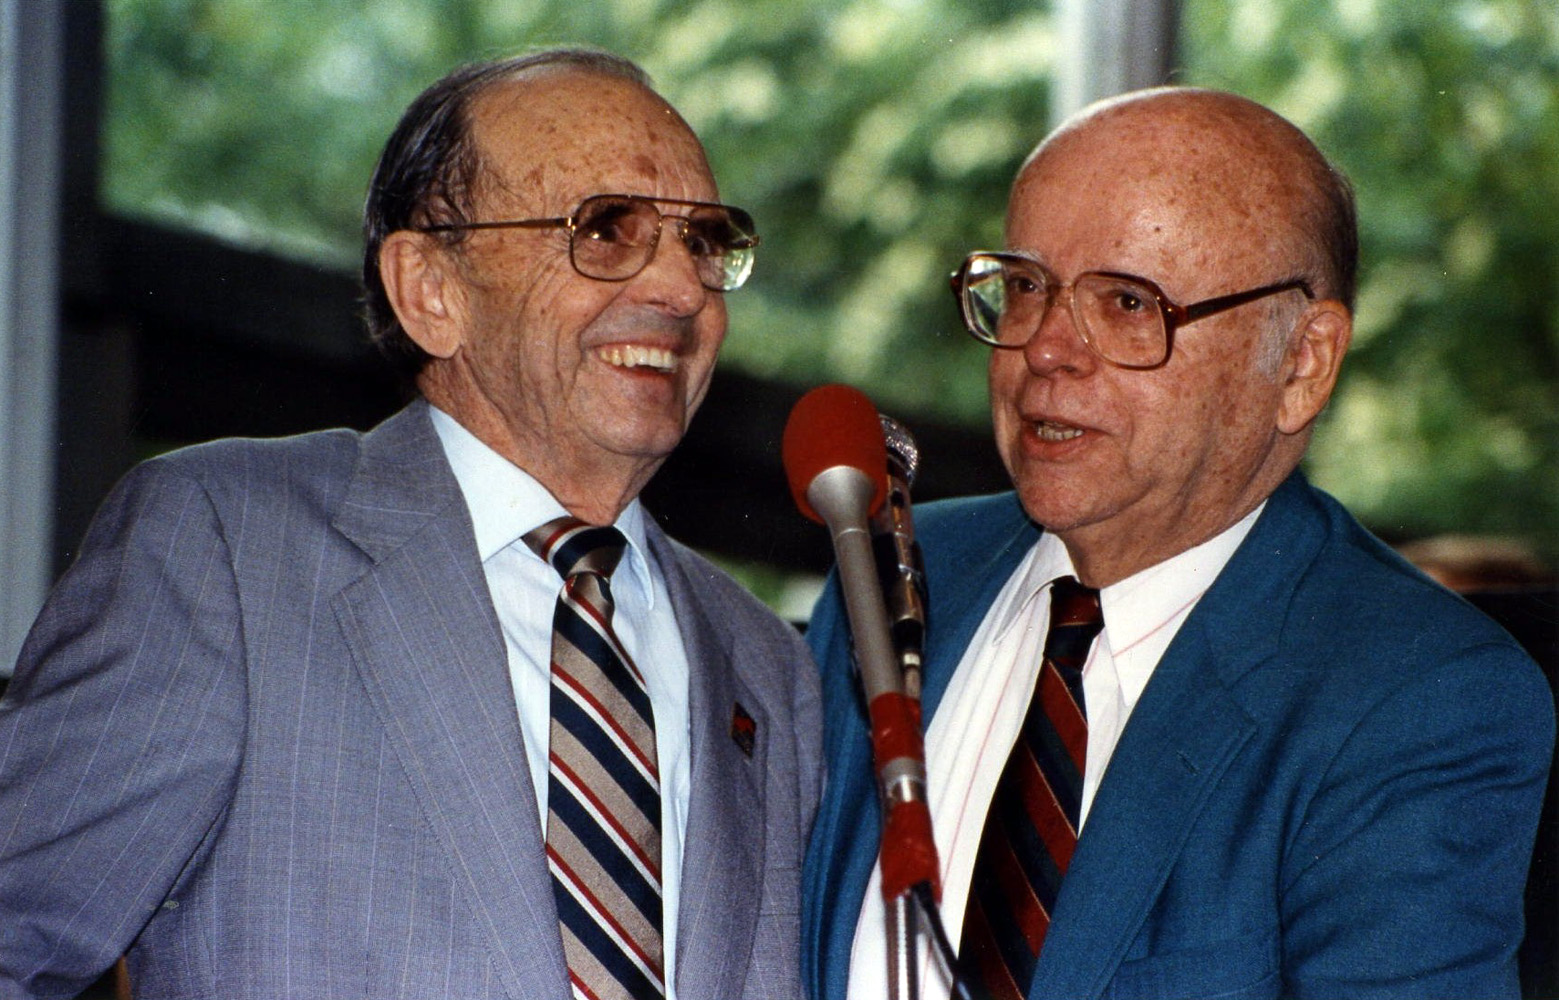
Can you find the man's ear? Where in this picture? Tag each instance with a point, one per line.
(1314, 361)
(419, 279)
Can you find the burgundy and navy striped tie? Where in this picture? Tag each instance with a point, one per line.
(1031, 828)
(603, 788)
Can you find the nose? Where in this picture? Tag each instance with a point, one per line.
(1057, 344)
(670, 279)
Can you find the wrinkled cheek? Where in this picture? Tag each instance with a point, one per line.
(1005, 428)
(995, 373)
(700, 389)
(1004, 380)
(550, 288)
(711, 338)
(1008, 379)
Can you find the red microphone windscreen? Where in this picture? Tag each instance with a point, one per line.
(830, 426)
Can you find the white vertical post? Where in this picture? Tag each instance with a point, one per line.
(1116, 46)
(31, 63)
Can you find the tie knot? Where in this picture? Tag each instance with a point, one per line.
(1075, 619)
(573, 546)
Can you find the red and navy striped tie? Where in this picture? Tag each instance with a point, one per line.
(603, 788)
(1031, 828)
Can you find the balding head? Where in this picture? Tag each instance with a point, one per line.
(1241, 161)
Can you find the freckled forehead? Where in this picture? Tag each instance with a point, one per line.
(1162, 189)
(552, 136)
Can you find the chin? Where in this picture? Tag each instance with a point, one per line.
(1060, 508)
(648, 443)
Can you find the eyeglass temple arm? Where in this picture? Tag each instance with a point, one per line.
(1208, 307)
(449, 227)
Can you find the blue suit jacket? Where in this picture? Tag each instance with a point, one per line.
(1329, 787)
(263, 736)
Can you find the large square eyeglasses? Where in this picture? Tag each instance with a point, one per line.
(612, 237)
(1125, 320)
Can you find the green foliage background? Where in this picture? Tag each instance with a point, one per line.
(1446, 117)
(875, 139)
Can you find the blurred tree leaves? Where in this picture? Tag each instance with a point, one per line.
(1446, 117)
(875, 140)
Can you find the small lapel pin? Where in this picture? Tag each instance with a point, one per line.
(744, 731)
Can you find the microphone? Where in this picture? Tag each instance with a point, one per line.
(836, 461)
(899, 564)
(835, 456)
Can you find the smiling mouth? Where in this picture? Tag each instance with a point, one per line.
(1049, 430)
(638, 356)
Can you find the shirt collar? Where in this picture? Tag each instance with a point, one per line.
(1047, 560)
(1139, 605)
(505, 501)
(1136, 606)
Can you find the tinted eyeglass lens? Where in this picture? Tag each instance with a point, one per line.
(721, 240)
(1003, 300)
(1121, 318)
(614, 239)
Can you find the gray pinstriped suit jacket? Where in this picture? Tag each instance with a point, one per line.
(263, 737)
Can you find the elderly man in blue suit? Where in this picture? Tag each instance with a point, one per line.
(316, 718)
(1192, 731)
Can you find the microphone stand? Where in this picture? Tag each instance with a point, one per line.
(902, 582)
(900, 570)
(833, 449)
(839, 496)
(908, 913)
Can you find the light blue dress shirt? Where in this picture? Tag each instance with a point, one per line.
(506, 502)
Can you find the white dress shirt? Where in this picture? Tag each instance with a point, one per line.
(506, 502)
(979, 716)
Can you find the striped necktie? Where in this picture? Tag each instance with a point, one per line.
(603, 786)
(1031, 828)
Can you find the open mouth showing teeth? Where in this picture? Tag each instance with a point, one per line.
(634, 356)
(1049, 431)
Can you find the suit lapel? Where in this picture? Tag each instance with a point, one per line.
(963, 591)
(1182, 736)
(427, 643)
(722, 861)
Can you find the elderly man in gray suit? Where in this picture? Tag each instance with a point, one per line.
(320, 717)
